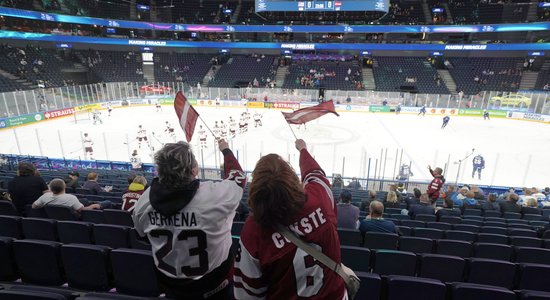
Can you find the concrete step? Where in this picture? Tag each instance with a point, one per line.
(368, 79)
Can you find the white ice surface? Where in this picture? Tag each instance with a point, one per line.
(517, 153)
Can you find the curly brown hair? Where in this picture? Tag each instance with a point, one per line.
(276, 193)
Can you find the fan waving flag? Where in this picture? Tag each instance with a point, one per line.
(187, 115)
(304, 115)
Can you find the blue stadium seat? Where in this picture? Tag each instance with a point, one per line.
(416, 244)
(494, 230)
(66, 293)
(39, 229)
(413, 223)
(425, 218)
(532, 217)
(134, 272)
(532, 255)
(455, 248)
(472, 212)
(491, 272)
(494, 224)
(534, 277)
(534, 295)
(511, 215)
(520, 241)
(458, 235)
(39, 262)
(8, 269)
(495, 219)
(492, 238)
(28, 295)
(471, 291)
(118, 217)
(378, 240)
(522, 233)
(492, 213)
(439, 225)
(473, 217)
(450, 220)
(404, 230)
(70, 232)
(86, 266)
(136, 242)
(60, 213)
(93, 216)
(391, 262)
(356, 258)
(370, 286)
(442, 267)
(35, 213)
(493, 251)
(467, 227)
(114, 236)
(472, 222)
(434, 234)
(7, 209)
(10, 226)
(414, 288)
(348, 237)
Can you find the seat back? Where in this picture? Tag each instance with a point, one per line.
(416, 244)
(35, 213)
(93, 216)
(134, 272)
(118, 217)
(349, 237)
(425, 218)
(60, 213)
(86, 266)
(471, 291)
(532, 255)
(442, 267)
(491, 272)
(39, 229)
(371, 285)
(391, 262)
(114, 236)
(137, 242)
(511, 215)
(450, 219)
(430, 233)
(413, 223)
(460, 235)
(520, 241)
(379, 240)
(493, 251)
(414, 288)
(39, 262)
(467, 228)
(355, 258)
(7, 208)
(492, 213)
(534, 277)
(10, 226)
(29, 295)
(8, 269)
(455, 248)
(439, 225)
(71, 232)
(492, 238)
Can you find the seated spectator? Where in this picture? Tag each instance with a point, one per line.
(71, 181)
(539, 196)
(451, 192)
(393, 188)
(366, 202)
(391, 200)
(26, 187)
(510, 205)
(348, 214)
(469, 202)
(478, 193)
(92, 185)
(459, 199)
(491, 203)
(374, 221)
(401, 190)
(423, 208)
(447, 209)
(135, 190)
(414, 199)
(337, 182)
(57, 196)
(354, 184)
(527, 192)
(531, 206)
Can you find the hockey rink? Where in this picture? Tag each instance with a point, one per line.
(361, 144)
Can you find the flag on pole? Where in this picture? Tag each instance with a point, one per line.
(187, 115)
(304, 115)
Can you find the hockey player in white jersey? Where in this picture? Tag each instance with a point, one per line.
(158, 106)
(242, 124)
(223, 130)
(202, 137)
(142, 136)
(232, 128)
(135, 160)
(257, 119)
(88, 149)
(217, 131)
(96, 117)
(188, 223)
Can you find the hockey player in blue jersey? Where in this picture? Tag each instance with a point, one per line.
(445, 121)
(485, 115)
(422, 110)
(398, 109)
(479, 164)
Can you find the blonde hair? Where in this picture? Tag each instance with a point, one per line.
(531, 202)
(392, 197)
(141, 180)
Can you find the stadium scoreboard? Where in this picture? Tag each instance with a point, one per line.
(322, 6)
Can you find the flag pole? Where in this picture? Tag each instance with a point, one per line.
(206, 125)
(292, 130)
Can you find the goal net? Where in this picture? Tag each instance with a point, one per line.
(82, 115)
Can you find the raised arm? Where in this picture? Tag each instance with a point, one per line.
(312, 174)
(232, 170)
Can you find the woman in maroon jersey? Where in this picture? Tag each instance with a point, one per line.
(266, 265)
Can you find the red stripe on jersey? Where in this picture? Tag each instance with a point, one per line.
(239, 285)
(252, 282)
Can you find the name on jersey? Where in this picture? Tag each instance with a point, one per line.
(182, 219)
(305, 225)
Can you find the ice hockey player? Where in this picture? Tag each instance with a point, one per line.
(479, 164)
(398, 109)
(242, 124)
(96, 117)
(485, 115)
(257, 119)
(170, 130)
(88, 150)
(109, 109)
(422, 111)
(142, 136)
(202, 137)
(223, 130)
(135, 160)
(158, 106)
(232, 128)
(217, 131)
(445, 121)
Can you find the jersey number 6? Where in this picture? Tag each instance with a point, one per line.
(184, 235)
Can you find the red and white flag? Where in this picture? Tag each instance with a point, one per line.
(304, 115)
(187, 115)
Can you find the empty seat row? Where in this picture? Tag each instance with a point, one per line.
(447, 268)
(114, 236)
(85, 267)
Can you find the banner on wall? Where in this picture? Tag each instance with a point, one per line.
(253, 104)
(52, 114)
(206, 102)
(441, 111)
(25, 119)
(88, 107)
(111, 103)
(3, 123)
(284, 105)
(498, 113)
(379, 108)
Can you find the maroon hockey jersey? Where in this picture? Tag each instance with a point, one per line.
(269, 267)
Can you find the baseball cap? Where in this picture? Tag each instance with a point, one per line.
(74, 174)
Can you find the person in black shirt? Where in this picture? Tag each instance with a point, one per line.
(71, 182)
(510, 205)
(448, 209)
(26, 187)
(423, 208)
